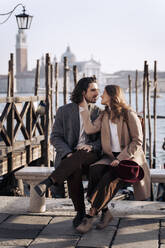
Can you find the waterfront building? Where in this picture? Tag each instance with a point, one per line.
(3, 83)
(25, 78)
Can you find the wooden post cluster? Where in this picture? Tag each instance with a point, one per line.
(146, 91)
(151, 145)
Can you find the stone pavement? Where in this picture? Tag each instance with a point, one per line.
(135, 225)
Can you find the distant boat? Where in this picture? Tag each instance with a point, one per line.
(157, 96)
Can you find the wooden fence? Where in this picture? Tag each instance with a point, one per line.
(22, 132)
(24, 129)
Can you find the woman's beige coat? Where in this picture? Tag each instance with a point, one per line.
(130, 138)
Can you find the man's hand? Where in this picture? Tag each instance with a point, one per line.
(87, 148)
(114, 163)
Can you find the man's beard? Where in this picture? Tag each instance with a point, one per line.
(93, 100)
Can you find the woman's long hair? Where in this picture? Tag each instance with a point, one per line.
(118, 104)
(81, 86)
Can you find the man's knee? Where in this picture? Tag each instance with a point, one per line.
(96, 170)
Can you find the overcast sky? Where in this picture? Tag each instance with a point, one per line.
(121, 34)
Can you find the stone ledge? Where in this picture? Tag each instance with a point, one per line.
(64, 207)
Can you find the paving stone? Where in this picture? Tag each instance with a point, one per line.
(60, 242)
(7, 233)
(143, 244)
(14, 242)
(162, 235)
(163, 222)
(21, 229)
(146, 224)
(3, 217)
(24, 222)
(136, 237)
(97, 238)
(11, 246)
(59, 226)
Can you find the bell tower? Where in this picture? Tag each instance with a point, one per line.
(21, 52)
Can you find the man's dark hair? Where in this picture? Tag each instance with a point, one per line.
(81, 86)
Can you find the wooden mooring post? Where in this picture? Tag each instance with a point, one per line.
(10, 86)
(37, 78)
(130, 89)
(48, 110)
(10, 116)
(51, 93)
(149, 118)
(56, 85)
(144, 104)
(136, 90)
(75, 74)
(155, 113)
(66, 69)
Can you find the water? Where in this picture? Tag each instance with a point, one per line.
(160, 153)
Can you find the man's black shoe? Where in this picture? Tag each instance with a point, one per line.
(78, 219)
(42, 187)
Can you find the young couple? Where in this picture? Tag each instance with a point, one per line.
(104, 145)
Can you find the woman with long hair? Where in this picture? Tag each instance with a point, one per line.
(123, 159)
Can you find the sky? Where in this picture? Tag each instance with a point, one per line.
(120, 34)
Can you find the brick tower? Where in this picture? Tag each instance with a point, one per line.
(21, 53)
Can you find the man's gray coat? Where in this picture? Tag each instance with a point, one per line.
(65, 132)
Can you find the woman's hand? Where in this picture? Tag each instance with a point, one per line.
(114, 163)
